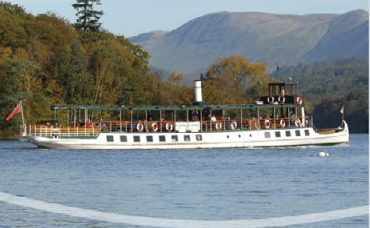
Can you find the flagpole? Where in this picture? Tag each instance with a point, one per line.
(20, 102)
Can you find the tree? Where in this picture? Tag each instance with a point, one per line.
(87, 17)
(234, 80)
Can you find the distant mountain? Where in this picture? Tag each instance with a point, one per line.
(275, 39)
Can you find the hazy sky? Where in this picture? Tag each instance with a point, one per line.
(132, 17)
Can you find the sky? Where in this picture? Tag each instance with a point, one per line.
(132, 17)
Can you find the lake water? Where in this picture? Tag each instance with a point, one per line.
(211, 185)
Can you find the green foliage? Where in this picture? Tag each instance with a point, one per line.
(44, 60)
(15, 10)
(234, 80)
(87, 17)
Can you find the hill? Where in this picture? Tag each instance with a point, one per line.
(275, 39)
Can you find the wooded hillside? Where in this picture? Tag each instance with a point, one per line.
(328, 86)
(44, 61)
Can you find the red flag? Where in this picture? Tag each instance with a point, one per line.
(15, 111)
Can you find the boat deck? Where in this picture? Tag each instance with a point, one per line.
(162, 126)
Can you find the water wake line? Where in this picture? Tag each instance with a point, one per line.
(179, 223)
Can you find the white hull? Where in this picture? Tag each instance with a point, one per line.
(197, 140)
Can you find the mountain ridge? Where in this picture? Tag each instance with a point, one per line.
(277, 39)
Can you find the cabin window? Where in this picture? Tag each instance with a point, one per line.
(162, 138)
(198, 137)
(307, 132)
(287, 133)
(186, 138)
(136, 138)
(277, 134)
(123, 138)
(267, 135)
(149, 138)
(110, 138)
(297, 133)
(174, 138)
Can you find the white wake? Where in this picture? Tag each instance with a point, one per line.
(178, 223)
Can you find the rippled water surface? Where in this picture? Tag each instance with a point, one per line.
(221, 184)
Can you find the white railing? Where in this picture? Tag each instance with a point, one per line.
(49, 131)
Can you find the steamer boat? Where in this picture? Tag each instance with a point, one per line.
(276, 120)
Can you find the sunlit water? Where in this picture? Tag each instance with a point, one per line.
(220, 184)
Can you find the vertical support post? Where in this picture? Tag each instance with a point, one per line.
(120, 120)
(131, 121)
(241, 119)
(160, 121)
(201, 120)
(146, 121)
(210, 120)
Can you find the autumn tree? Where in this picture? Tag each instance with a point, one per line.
(234, 80)
(87, 17)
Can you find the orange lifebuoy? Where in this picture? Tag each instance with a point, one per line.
(282, 123)
(281, 99)
(299, 100)
(297, 122)
(266, 124)
(169, 126)
(233, 125)
(140, 126)
(154, 127)
(270, 99)
(218, 126)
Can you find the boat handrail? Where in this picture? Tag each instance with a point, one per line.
(237, 124)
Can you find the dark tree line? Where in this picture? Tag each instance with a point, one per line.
(329, 86)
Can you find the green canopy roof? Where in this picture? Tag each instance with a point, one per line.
(171, 108)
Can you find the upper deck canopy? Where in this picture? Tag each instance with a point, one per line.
(171, 108)
(283, 89)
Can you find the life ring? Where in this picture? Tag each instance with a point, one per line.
(169, 126)
(297, 122)
(299, 100)
(218, 126)
(281, 99)
(154, 127)
(270, 99)
(233, 125)
(282, 123)
(140, 126)
(266, 124)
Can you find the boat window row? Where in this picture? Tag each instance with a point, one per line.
(288, 133)
(150, 138)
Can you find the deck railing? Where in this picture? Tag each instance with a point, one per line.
(50, 131)
(162, 126)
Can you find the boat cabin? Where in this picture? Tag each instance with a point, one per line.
(283, 93)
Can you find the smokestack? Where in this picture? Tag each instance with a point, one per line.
(198, 91)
